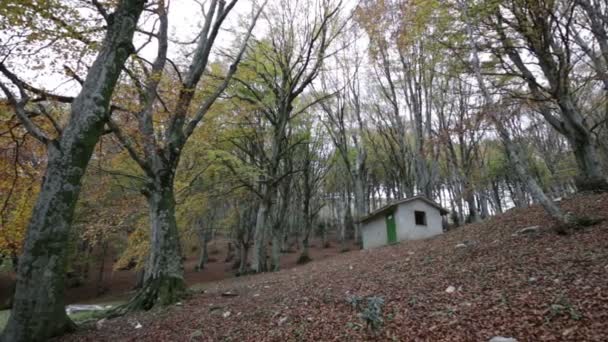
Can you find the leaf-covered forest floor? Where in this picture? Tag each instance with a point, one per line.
(118, 284)
(536, 286)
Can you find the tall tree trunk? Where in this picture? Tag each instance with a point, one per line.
(164, 277)
(258, 262)
(360, 204)
(139, 279)
(305, 256)
(244, 252)
(38, 308)
(102, 267)
(276, 250)
(349, 223)
(483, 204)
(471, 204)
(591, 177)
(515, 193)
(512, 151)
(497, 197)
(340, 221)
(204, 255)
(278, 224)
(87, 262)
(531, 184)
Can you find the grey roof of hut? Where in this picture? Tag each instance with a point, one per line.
(391, 207)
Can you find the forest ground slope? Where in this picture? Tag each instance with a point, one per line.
(538, 286)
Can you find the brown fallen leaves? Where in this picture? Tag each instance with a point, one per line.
(534, 287)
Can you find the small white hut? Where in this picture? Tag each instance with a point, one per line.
(412, 218)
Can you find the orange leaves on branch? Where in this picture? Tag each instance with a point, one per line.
(21, 167)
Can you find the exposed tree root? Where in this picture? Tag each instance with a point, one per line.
(591, 186)
(575, 223)
(155, 292)
(303, 259)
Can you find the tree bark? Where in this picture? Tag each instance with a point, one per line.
(102, 267)
(276, 250)
(472, 205)
(139, 276)
(164, 276)
(305, 256)
(497, 197)
(38, 310)
(205, 232)
(244, 251)
(360, 201)
(204, 256)
(258, 262)
(483, 204)
(349, 222)
(591, 177)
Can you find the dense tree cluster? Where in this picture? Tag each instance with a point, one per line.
(314, 114)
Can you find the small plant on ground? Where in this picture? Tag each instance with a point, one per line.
(371, 313)
(354, 301)
(563, 307)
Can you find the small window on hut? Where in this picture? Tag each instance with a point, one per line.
(420, 218)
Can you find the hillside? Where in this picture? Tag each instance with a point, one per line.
(535, 286)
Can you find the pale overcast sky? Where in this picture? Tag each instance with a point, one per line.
(185, 17)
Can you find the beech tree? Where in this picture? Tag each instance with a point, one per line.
(545, 30)
(38, 308)
(162, 145)
(344, 120)
(312, 159)
(512, 149)
(285, 65)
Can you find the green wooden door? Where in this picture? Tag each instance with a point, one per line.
(391, 229)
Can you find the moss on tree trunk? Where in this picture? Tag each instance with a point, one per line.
(164, 275)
